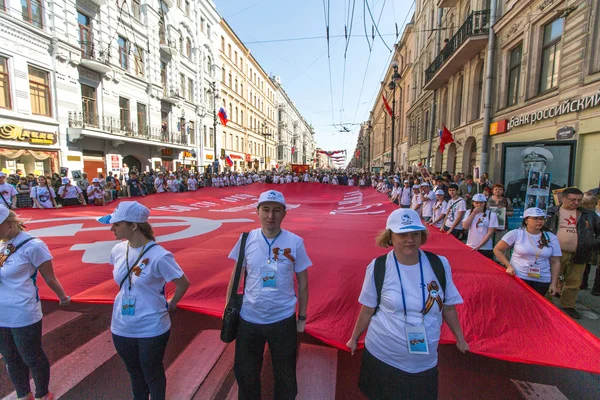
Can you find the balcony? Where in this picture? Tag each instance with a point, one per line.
(447, 3)
(470, 39)
(94, 58)
(169, 3)
(99, 3)
(170, 95)
(167, 46)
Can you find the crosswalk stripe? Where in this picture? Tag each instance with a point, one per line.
(537, 391)
(72, 369)
(215, 380)
(188, 371)
(317, 372)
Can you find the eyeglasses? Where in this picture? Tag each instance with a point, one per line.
(538, 218)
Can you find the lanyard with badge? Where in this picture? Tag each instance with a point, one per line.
(534, 271)
(268, 272)
(128, 301)
(11, 249)
(416, 336)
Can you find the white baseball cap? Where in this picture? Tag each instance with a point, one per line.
(479, 197)
(272, 196)
(3, 213)
(424, 184)
(440, 192)
(130, 211)
(65, 180)
(534, 212)
(406, 181)
(404, 220)
(95, 180)
(2, 174)
(417, 187)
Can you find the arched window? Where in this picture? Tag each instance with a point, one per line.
(242, 118)
(478, 92)
(444, 108)
(208, 66)
(188, 48)
(237, 119)
(181, 48)
(458, 104)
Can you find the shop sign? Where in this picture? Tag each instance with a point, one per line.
(236, 157)
(209, 156)
(569, 106)
(13, 132)
(248, 157)
(268, 160)
(167, 152)
(74, 158)
(565, 133)
(114, 162)
(187, 154)
(498, 127)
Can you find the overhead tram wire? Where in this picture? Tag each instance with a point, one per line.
(326, 11)
(365, 26)
(349, 31)
(376, 27)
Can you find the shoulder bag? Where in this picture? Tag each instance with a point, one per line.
(231, 316)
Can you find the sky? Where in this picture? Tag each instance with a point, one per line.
(288, 39)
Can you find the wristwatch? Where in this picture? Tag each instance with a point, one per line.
(301, 317)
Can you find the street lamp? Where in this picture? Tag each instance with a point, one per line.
(392, 86)
(265, 134)
(213, 86)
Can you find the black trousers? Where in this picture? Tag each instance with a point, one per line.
(22, 351)
(144, 361)
(459, 234)
(540, 287)
(488, 253)
(381, 381)
(249, 349)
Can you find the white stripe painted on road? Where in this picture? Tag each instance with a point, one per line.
(317, 372)
(537, 391)
(67, 372)
(191, 367)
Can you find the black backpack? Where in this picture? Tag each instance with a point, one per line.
(379, 273)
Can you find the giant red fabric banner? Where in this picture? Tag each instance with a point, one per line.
(502, 317)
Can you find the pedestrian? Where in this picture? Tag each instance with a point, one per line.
(405, 295)
(95, 193)
(440, 208)
(43, 196)
(454, 213)
(578, 232)
(140, 322)
(134, 187)
(268, 314)
(416, 201)
(405, 196)
(23, 256)
(428, 200)
(468, 189)
(592, 202)
(9, 193)
(23, 194)
(536, 253)
(70, 195)
(84, 184)
(481, 224)
(160, 184)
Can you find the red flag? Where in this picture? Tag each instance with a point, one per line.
(445, 138)
(293, 149)
(386, 104)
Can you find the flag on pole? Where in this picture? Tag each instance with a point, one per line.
(223, 116)
(445, 138)
(229, 161)
(293, 149)
(386, 104)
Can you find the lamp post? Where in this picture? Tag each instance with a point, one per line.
(213, 86)
(265, 134)
(392, 86)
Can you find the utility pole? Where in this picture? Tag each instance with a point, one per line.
(489, 81)
(434, 105)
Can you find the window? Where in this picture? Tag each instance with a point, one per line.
(192, 132)
(230, 80)
(88, 105)
(187, 7)
(142, 117)
(163, 74)
(85, 35)
(205, 136)
(135, 9)
(182, 85)
(514, 76)
(123, 45)
(222, 44)
(237, 143)
(188, 48)
(237, 119)
(190, 91)
(212, 138)
(242, 149)
(242, 118)
(478, 94)
(181, 47)
(39, 91)
(4, 84)
(31, 10)
(125, 113)
(425, 127)
(223, 78)
(242, 89)
(236, 85)
(208, 66)
(138, 55)
(202, 23)
(551, 55)
(458, 104)
(229, 51)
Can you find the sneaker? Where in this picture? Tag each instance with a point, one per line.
(573, 313)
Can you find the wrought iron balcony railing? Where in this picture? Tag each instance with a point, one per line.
(478, 23)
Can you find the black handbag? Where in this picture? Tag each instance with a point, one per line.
(231, 316)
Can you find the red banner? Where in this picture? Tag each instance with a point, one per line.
(502, 317)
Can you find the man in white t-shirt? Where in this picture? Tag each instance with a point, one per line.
(70, 195)
(455, 213)
(160, 184)
(405, 195)
(415, 201)
(482, 224)
(268, 314)
(9, 193)
(427, 198)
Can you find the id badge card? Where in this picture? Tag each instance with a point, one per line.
(128, 305)
(534, 272)
(416, 339)
(268, 275)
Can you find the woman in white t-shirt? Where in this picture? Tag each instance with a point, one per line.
(22, 257)
(192, 183)
(536, 253)
(140, 320)
(439, 209)
(482, 224)
(43, 195)
(411, 305)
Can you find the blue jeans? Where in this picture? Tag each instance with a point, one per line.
(144, 361)
(22, 351)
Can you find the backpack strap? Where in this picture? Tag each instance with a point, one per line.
(438, 269)
(379, 275)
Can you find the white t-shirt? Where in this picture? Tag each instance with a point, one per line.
(264, 304)
(44, 195)
(416, 202)
(289, 179)
(192, 184)
(95, 192)
(524, 252)
(350, 182)
(427, 207)
(69, 192)
(405, 195)
(158, 183)
(8, 191)
(439, 208)
(386, 338)
(454, 207)
(173, 185)
(19, 301)
(158, 266)
(479, 227)
(296, 179)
